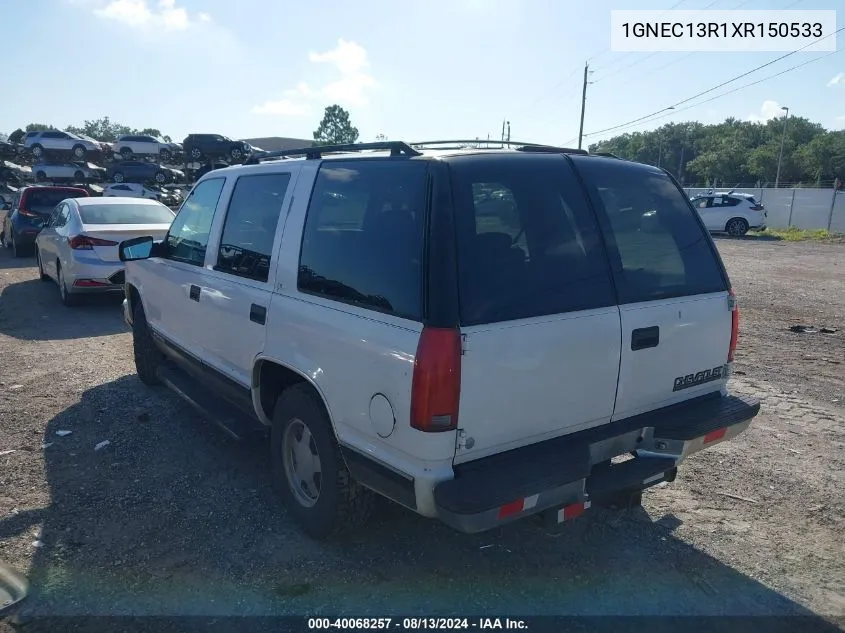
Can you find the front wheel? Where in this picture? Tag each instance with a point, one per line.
(79, 176)
(309, 472)
(736, 227)
(161, 177)
(117, 176)
(148, 358)
(79, 151)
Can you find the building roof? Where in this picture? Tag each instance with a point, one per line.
(277, 143)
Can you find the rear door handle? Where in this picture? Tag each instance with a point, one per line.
(195, 292)
(257, 314)
(645, 337)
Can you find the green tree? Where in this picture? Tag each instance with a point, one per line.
(37, 127)
(101, 129)
(335, 128)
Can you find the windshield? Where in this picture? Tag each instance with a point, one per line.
(125, 214)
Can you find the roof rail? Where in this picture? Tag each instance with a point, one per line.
(397, 148)
(491, 144)
(607, 155)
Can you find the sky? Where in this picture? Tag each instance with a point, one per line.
(411, 70)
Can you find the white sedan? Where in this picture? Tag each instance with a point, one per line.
(78, 246)
(131, 190)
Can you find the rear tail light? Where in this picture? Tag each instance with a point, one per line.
(86, 243)
(436, 386)
(734, 308)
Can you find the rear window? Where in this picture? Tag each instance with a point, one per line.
(46, 199)
(528, 244)
(125, 214)
(657, 246)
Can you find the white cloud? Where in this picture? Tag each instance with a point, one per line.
(838, 80)
(351, 88)
(769, 110)
(139, 14)
(283, 107)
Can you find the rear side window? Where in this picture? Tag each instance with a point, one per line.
(527, 243)
(250, 226)
(658, 248)
(363, 237)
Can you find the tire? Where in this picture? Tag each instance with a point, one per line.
(40, 176)
(166, 155)
(79, 176)
(736, 227)
(68, 298)
(78, 151)
(117, 176)
(125, 153)
(196, 154)
(148, 358)
(236, 154)
(160, 177)
(340, 501)
(17, 251)
(37, 150)
(41, 274)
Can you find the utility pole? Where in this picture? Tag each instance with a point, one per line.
(782, 139)
(509, 131)
(583, 102)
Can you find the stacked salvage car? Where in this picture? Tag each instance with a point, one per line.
(138, 165)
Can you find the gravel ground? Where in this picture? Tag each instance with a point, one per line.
(172, 518)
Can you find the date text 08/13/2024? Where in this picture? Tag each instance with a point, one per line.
(416, 624)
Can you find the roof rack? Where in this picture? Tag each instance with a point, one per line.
(491, 144)
(607, 155)
(397, 148)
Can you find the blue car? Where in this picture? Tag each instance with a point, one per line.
(30, 208)
(142, 172)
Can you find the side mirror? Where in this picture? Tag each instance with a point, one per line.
(136, 248)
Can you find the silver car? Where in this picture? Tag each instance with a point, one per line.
(55, 140)
(76, 172)
(78, 246)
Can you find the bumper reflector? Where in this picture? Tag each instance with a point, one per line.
(712, 436)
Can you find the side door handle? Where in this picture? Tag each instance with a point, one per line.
(257, 314)
(194, 292)
(645, 337)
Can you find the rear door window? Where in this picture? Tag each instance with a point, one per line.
(363, 237)
(657, 246)
(528, 244)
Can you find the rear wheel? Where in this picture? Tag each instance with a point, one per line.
(78, 151)
(161, 177)
(126, 153)
(148, 358)
(41, 274)
(309, 472)
(79, 176)
(37, 151)
(196, 154)
(68, 298)
(117, 176)
(736, 227)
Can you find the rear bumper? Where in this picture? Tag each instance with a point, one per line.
(87, 275)
(564, 476)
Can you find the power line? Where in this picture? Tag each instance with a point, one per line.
(724, 83)
(744, 86)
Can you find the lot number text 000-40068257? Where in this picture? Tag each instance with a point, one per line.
(725, 31)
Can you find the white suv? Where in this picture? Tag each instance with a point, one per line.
(132, 145)
(474, 334)
(731, 213)
(39, 142)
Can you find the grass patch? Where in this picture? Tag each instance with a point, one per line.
(794, 234)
